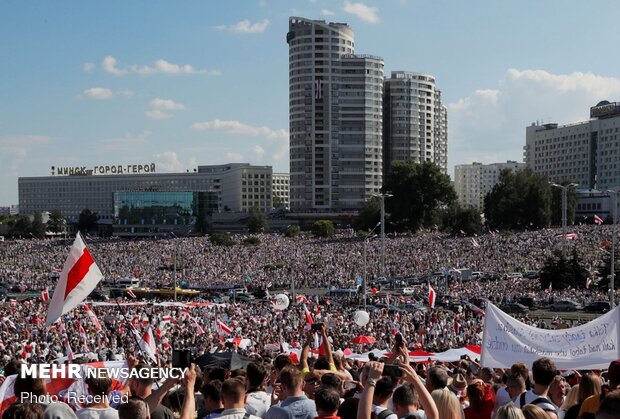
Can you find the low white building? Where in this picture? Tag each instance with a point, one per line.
(473, 182)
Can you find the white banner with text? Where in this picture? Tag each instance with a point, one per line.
(590, 346)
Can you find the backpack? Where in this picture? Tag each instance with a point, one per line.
(385, 414)
(536, 402)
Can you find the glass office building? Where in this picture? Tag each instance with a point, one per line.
(149, 213)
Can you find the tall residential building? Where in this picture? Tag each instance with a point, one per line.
(335, 118)
(280, 190)
(587, 153)
(415, 122)
(473, 182)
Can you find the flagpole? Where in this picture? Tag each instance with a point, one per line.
(144, 356)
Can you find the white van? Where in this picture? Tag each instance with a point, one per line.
(128, 283)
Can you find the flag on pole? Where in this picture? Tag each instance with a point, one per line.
(474, 242)
(588, 282)
(431, 296)
(308, 317)
(93, 318)
(568, 236)
(147, 344)
(45, 295)
(198, 328)
(79, 277)
(222, 329)
(598, 220)
(68, 350)
(131, 294)
(550, 287)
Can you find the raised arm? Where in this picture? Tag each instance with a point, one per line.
(426, 400)
(364, 409)
(328, 346)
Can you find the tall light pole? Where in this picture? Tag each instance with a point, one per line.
(564, 206)
(174, 264)
(383, 196)
(612, 296)
(368, 237)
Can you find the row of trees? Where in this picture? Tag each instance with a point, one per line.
(423, 197)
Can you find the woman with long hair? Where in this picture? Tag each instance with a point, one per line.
(589, 385)
(481, 400)
(509, 411)
(448, 405)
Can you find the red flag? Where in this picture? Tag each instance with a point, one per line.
(457, 326)
(431, 296)
(68, 350)
(79, 277)
(598, 220)
(131, 294)
(222, 329)
(92, 317)
(308, 316)
(45, 295)
(147, 344)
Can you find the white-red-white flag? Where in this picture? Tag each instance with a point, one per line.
(199, 329)
(598, 220)
(84, 336)
(147, 344)
(45, 295)
(474, 242)
(588, 282)
(431, 296)
(222, 329)
(301, 298)
(79, 277)
(93, 318)
(131, 294)
(68, 350)
(308, 317)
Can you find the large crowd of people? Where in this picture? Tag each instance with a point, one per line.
(275, 389)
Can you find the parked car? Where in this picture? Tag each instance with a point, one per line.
(598, 307)
(529, 302)
(514, 308)
(565, 305)
(531, 274)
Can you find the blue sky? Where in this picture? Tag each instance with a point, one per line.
(205, 82)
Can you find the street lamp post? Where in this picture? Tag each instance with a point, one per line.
(368, 237)
(564, 206)
(612, 296)
(383, 196)
(174, 265)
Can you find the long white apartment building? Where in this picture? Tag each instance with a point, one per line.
(587, 152)
(473, 182)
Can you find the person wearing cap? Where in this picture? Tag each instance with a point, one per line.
(591, 405)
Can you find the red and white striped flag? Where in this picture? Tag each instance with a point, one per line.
(68, 350)
(166, 319)
(474, 242)
(301, 299)
(588, 282)
(131, 294)
(431, 296)
(93, 318)
(222, 329)
(79, 277)
(308, 317)
(147, 344)
(197, 326)
(598, 220)
(84, 336)
(568, 236)
(45, 295)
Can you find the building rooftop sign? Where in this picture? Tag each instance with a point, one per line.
(115, 169)
(605, 109)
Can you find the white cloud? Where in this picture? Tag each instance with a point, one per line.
(258, 152)
(245, 26)
(129, 141)
(23, 140)
(366, 13)
(161, 66)
(489, 125)
(168, 161)
(15, 148)
(237, 127)
(98, 93)
(157, 114)
(109, 66)
(166, 104)
(232, 157)
(160, 108)
(326, 12)
(89, 67)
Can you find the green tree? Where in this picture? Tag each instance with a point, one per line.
(38, 227)
(21, 226)
(562, 272)
(605, 270)
(556, 204)
(56, 222)
(519, 200)
(87, 221)
(292, 231)
(221, 239)
(457, 219)
(257, 223)
(419, 192)
(323, 228)
(369, 216)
